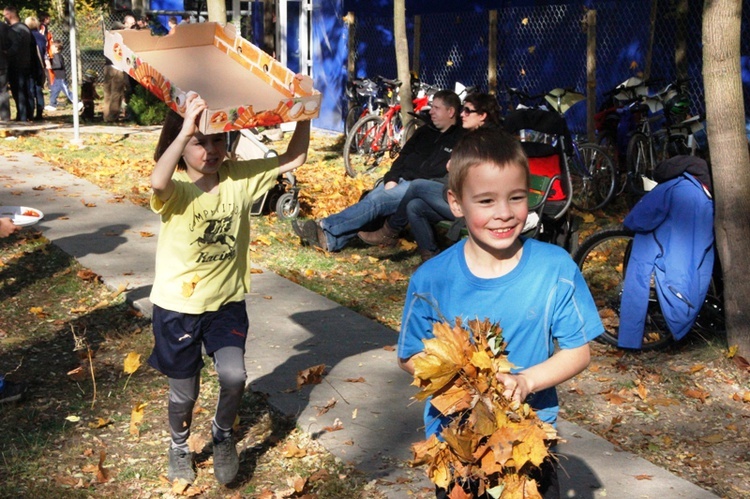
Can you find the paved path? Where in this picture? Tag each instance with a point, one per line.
(292, 329)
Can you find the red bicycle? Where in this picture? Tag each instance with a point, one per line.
(374, 138)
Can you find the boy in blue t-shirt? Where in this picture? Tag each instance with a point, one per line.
(532, 289)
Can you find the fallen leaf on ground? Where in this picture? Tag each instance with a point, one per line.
(643, 477)
(132, 362)
(694, 393)
(136, 418)
(310, 376)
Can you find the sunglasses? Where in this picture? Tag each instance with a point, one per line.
(466, 110)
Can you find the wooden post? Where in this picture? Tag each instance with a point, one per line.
(492, 54)
(680, 49)
(590, 74)
(651, 32)
(417, 44)
(351, 45)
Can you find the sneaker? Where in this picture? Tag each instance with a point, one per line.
(80, 106)
(180, 466)
(12, 392)
(50, 108)
(226, 460)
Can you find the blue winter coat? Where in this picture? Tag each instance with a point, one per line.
(674, 241)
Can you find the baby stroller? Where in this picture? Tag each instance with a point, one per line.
(283, 198)
(547, 142)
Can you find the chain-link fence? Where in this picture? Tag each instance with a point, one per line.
(540, 47)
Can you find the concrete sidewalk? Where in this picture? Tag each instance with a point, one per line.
(293, 329)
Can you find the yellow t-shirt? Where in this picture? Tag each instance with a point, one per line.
(202, 252)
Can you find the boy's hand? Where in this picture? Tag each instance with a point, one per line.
(517, 386)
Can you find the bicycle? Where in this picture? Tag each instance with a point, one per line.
(373, 137)
(603, 258)
(659, 134)
(592, 170)
(367, 97)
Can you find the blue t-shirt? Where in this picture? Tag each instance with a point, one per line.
(543, 300)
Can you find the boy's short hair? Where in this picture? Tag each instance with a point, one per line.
(57, 44)
(482, 146)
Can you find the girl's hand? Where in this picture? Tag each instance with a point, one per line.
(194, 106)
(516, 386)
(7, 227)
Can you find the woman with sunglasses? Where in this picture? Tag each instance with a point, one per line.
(425, 202)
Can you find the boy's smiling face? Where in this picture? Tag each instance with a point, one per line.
(494, 204)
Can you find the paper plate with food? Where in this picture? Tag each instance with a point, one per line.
(21, 215)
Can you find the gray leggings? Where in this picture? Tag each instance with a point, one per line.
(230, 365)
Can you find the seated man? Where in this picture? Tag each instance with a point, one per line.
(424, 156)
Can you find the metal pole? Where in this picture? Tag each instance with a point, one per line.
(74, 70)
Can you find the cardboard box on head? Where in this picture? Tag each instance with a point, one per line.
(243, 86)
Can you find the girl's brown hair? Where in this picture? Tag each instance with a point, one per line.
(169, 132)
(484, 146)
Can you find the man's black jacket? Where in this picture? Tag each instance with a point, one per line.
(425, 154)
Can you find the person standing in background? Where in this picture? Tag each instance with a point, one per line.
(4, 96)
(36, 87)
(19, 64)
(44, 29)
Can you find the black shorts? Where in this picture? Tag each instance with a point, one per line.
(179, 338)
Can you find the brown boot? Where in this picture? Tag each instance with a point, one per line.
(384, 236)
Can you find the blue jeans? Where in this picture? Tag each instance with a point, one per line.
(422, 206)
(380, 202)
(59, 85)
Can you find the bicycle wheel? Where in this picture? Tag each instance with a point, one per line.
(593, 175)
(641, 162)
(365, 146)
(410, 128)
(603, 258)
(355, 112)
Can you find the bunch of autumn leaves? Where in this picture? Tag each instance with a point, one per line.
(492, 441)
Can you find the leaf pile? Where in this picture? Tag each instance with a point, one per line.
(490, 440)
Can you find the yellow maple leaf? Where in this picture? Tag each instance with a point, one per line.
(136, 418)
(530, 447)
(132, 362)
(454, 399)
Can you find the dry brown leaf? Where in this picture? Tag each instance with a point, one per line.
(144, 233)
(87, 275)
(310, 376)
(355, 380)
(336, 426)
(695, 393)
(329, 405)
(196, 443)
(643, 477)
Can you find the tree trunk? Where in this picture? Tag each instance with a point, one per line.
(729, 160)
(217, 11)
(269, 27)
(402, 59)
